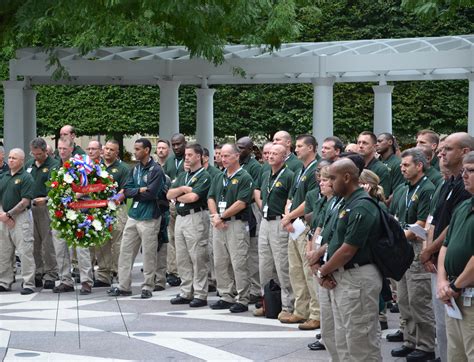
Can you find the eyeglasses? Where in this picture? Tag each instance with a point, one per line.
(467, 171)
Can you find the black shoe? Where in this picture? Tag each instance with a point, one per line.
(3, 289)
(434, 360)
(402, 351)
(26, 291)
(316, 346)
(258, 305)
(419, 355)
(395, 337)
(254, 299)
(383, 325)
(63, 288)
(221, 304)
(100, 284)
(85, 289)
(173, 280)
(318, 336)
(38, 282)
(394, 308)
(48, 284)
(146, 294)
(158, 288)
(180, 300)
(238, 308)
(196, 303)
(211, 288)
(115, 292)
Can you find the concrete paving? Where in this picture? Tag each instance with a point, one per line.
(44, 326)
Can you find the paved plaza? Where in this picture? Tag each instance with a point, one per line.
(152, 330)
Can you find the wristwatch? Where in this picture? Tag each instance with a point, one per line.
(453, 287)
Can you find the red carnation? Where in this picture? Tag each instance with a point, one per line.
(59, 214)
(110, 228)
(90, 217)
(54, 184)
(79, 234)
(67, 164)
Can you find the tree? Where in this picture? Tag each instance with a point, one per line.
(431, 9)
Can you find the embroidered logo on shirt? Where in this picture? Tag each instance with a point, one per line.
(278, 184)
(235, 181)
(114, 170)
(17, 181)
(45, 170)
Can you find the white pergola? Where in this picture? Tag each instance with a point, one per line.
(321, 64)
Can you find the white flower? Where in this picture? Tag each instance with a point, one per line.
(68, 178)
(97, 225)
(104, 174)
(112, 205)
(71, 215)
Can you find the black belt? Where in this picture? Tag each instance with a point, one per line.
(272, 218)
(190, 211)
(354, 265)
(233, 218)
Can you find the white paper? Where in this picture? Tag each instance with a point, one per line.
(453, 311)
(299, 227)
(418, 231)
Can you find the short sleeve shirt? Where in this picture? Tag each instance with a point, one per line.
(119, 171)
(396, 177)
(14, 188)
(41, 175)
(415, 202)
(173, 166)
(200, 182)
(275, 189)
(383, 173)
(305, 181)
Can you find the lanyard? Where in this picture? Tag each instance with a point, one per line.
(269, 189)
(195, 175)
(409, 202)
(139, 173)
(226, 179)
(177, 164)
(302, 173)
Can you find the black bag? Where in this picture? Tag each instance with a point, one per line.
(272, 299)
(392, 253)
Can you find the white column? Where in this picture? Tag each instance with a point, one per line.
(19, 122)
(382, 108)
(470, 105)
(169, 108)
(205, 120)
(323, 125)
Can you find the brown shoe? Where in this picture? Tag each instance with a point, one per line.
(283, 315)
(85, 289)
(292, 318)
(63, 288)
(309, 325)
(259, 312)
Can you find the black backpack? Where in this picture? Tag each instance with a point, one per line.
(392, 253)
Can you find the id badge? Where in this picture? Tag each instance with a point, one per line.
(265, 211)
(318, 241)
(135, 204)
(222, 205)
(29, 169)
(467, 301)
(181, 204)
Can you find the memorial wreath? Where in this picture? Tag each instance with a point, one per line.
(82, 202)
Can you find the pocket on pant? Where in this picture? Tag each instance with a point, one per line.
(27, 231)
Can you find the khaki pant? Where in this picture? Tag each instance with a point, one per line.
(231, 246)
(138, 233)
(44, 254)
(160, 277)
(64, 257)
(255, 287)
(107, 255)
(440, 317)
(273, 259)
(302, 279)
(355, 306)
(328, 326)
(20, 237)
(171, 258)
(414, 301)
(212, 269)
(192, 256)
(461, 333)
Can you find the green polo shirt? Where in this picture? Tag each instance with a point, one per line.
(434, 176)
(383, 173)
(414, 203)
(435, 197)
(77, 150)
(435, 162)
(358, 224)
(120, 171)
(396, 199)
(275, 189)
(41, 175)
(212, 171)
(239, 186)
(314, 203)
(14, 188)
(460, 239)
(253, 167)
(305, 181)
(200, 182)
(393, 165)
(293, 163)
(327, 221)
(173, 166)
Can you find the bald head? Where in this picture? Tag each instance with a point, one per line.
(245, 146)
(230, 156)
(16, 159)
(345, 165)
(277, 157)
(282, 138)
(344, 175)
(68, 131)
(178, 143)
(455, 147)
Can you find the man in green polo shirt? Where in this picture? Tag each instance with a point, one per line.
(431, 172)
(189, 191)
(366, 143)
(40, 167)
(386, 148)
(429, 138)
(306, 309)
(174, 165)
(354, 282)
(273, 238)
(291, 161)
(229, 205)
(108, 254)
(456, 271)
(69, 131)
(16, 227)
(414, 289)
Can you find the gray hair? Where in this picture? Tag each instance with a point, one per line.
(417, 155)
(39, 143)
(468, 158)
